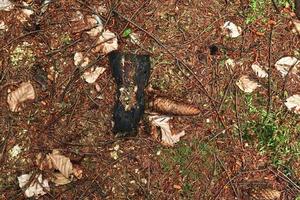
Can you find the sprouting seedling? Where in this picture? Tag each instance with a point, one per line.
(127, 32)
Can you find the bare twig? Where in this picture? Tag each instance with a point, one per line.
(275, 7)
(63, 48)
(20, 37)
(230, 182)
(269, 75)
(280, 174)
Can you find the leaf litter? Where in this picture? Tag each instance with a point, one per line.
(284, 64)
(167, 137)
(259, 71)
(293, 103)
(6, 5)
(35, 187)
(247, 85)
(90, 75)
(231, 29)
(23, 93)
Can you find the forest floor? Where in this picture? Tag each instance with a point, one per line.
(242, 145)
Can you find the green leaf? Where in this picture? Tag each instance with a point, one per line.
(127, 32)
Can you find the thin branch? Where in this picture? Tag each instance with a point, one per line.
(269, 75)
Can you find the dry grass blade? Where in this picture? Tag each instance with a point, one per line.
(168, 106)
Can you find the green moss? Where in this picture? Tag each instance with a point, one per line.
(22, 56)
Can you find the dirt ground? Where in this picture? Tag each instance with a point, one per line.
(188, 48)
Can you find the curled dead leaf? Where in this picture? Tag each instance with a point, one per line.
(230, 64)
(284, 64)
(91, 75)
(297, 26)
(78, 172)
(245, 84)
(258, 70)
(6, 5)
(23, 93)
(231, 29)
(60, 179)
(293, 103)
(106, 43)
(36, 188)
(168, 106)
(61, 163)
(167, 138)
(79, 60)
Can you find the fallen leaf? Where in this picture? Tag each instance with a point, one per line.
(23, 93)
(259, 71)
(95, 22)
(230, 64)
(26, 12)
(284, 64)
(79, 60)
(3, 26)
(293, 103)
(232, 30)
(91, 75)
(107, 42)
(245, 84)
(167, 138)
(6, 5)
(95, 31)
(265, 194)
(297, 26)
(77, 171)
(36, 188)
(102, 9)
(60, 179)
(61, 163)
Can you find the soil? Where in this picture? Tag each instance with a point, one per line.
(187, 46)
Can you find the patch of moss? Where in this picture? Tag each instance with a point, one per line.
(22, 56)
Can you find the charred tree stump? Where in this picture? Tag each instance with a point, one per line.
(131, 73)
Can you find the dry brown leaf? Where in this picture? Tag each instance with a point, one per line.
(79, 60)
(230, 64)
(293, 103)
(265, 194)
(258, 70)
(60, 179)
(245, 84)
(167, 138)
(77, 171)
(297, 26)
(91, 75)
(168, 106)
(231, 29)
(284, 64)
(61, 163)
(23, 93)
(6, 5)
(107, 42)
(36, 188)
